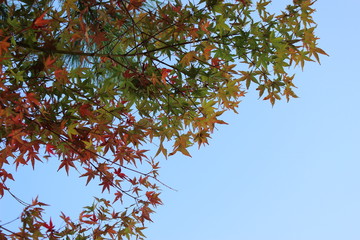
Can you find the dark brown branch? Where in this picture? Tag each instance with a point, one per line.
(94, 54)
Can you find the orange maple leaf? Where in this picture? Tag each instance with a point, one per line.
(48, 63)
(164, 73)
(187, 58)
(40, 22)
(207, 51)
(215, 62)
(31, 98)
(61, 76)
(204, 26)
(4, 45)
(135, 4)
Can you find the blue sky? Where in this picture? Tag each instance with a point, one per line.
(288, 172)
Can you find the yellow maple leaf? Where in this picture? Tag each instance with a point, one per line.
(187, 58)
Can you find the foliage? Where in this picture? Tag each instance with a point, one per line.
(90, 82)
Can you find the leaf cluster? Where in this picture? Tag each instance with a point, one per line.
(90, 83)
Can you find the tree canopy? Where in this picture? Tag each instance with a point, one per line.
(89, 83)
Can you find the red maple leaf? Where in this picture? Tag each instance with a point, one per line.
(90, 174)
(153, 198)
(67, 163)
(85, 110)
(50, 227)
(106, 183)
(119, 173)
(215, 62)
(49, 148)
(91, 218)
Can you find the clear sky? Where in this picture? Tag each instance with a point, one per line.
(288, 172)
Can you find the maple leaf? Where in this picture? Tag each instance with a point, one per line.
(85, 110)
(90, 174)
(215, 62)
(40, 22)
(67, 163)
(99, 38)
(32, 156)
(245, 2)
(164, 73)
(118, 195)
(49, 148)
(153, 198)
(111, 231)
(204, 26)
(145, 213)
(119, 173)
(176, 9)
(31, 98)
(2, 188)
(75, 37)
(103, 168)
(144, 181)
(181, 143)
(187, 58)
(49, 227)
(93, 218)
(4, 45)
(129, 74)
(65, 218)
(272, 96)
(136, 190)
(207, 52)
(20, 160)
(202, 137)
(5, 175)
(48, 63)
(61, 76)
(35, 202)
(288, 92)
(72, 130)
(135, 4)
(106, 183)
(83, 216)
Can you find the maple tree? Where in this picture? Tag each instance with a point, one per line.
(89, 83)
